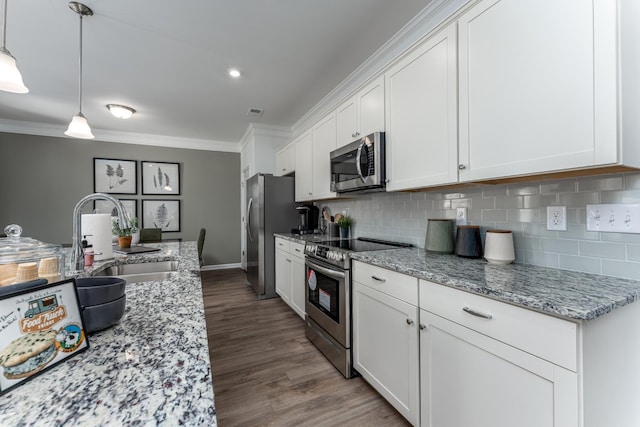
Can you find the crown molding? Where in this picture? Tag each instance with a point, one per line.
(42, 129)
(255, 130)
(432, 16)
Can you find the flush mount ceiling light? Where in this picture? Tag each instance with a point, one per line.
(10, 77)
(121, 111)
(234, 72)
(79, 127)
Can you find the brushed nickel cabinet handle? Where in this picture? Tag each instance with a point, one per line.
(379, 279)
(477, 313)
(461, 167)
(422, 326)
(409, 322)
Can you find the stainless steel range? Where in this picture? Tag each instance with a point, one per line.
(328, 295)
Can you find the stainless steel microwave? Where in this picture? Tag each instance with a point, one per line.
(359, 165)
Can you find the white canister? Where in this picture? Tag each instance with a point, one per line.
(498, 247)
(97, 228)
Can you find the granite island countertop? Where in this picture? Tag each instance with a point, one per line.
(568, 294)
(150, 369)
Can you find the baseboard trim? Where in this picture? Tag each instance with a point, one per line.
(220, 266)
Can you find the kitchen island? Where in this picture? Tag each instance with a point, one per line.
(150, 369)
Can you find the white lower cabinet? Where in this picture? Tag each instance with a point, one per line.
(385, 335)
(470, 379)
(290, 284)
(448, 358)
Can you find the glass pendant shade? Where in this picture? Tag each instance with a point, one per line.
(121, 111)
(79, 128)
(10, 77)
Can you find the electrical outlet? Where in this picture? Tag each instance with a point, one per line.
(461, 216)
(557, 218)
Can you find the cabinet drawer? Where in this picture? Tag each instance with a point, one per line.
(282, 244)
(296, 249)
(397, 285)
(544, 336)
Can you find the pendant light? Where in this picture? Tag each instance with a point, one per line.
(10, 77)
(79, 127)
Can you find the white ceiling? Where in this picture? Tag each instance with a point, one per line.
(168, 59)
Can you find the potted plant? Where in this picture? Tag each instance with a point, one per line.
(124, 234)
(345, 224)
(135, 231)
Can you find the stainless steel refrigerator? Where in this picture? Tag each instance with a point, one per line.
(270, 209)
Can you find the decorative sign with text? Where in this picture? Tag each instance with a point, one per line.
(40, 327)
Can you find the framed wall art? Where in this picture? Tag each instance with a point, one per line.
(41, 325)
(115, 176)
(164, 214)
(105, 206)
(160, 178)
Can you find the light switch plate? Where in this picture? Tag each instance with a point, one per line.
(557, 218)
(614, 218)
(461, 216)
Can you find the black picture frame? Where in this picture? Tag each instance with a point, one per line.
(160, 178)
(161, 213)
(40, 318)
(115, 176)
(105, 206)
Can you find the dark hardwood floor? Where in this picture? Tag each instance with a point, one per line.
(265, 371)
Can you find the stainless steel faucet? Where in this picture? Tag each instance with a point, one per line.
(77, 260)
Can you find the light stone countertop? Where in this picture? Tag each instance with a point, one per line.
(150, 369)
(568, 294)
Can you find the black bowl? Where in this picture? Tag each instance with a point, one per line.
(99, 290)
(102, 316)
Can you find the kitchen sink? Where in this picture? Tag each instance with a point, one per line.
(143, 272)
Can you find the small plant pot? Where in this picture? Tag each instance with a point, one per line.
(344, 232)
(124, 241)
(135, 238)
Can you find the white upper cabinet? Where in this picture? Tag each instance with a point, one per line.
(361, 114)
(537, 87)
(304, 166)
(285, 160)
(324, 141)
(421, 115)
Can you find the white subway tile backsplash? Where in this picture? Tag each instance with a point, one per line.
(603, 250)
(520, 207)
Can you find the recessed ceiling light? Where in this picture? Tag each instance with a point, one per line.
(234, 72)
(121, 111)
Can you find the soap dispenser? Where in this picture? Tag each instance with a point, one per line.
(87, 250)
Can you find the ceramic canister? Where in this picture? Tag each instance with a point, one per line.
(468, 242)
(498, 247)
(439, 236)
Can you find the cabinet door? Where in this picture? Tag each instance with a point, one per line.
(298, 284)
(285, 160)
(385, 347)
(470, 379)
(304, 166)
(283, 275)
(370, 101)
(537, 87)
(421, 115)
(324, 141)
(346, 122)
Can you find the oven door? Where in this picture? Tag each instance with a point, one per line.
(327, 302)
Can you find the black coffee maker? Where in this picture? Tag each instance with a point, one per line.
(308, 219)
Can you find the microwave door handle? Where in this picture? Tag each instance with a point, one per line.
(358, 154)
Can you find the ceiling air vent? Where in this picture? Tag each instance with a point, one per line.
(255, 112)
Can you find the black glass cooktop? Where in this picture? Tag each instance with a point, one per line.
(362, 244)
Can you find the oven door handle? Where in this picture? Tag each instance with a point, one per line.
(324, 270)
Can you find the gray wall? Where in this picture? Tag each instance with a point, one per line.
(42, 179)
(518, 207)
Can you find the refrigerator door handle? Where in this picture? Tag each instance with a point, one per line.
(248, 223)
